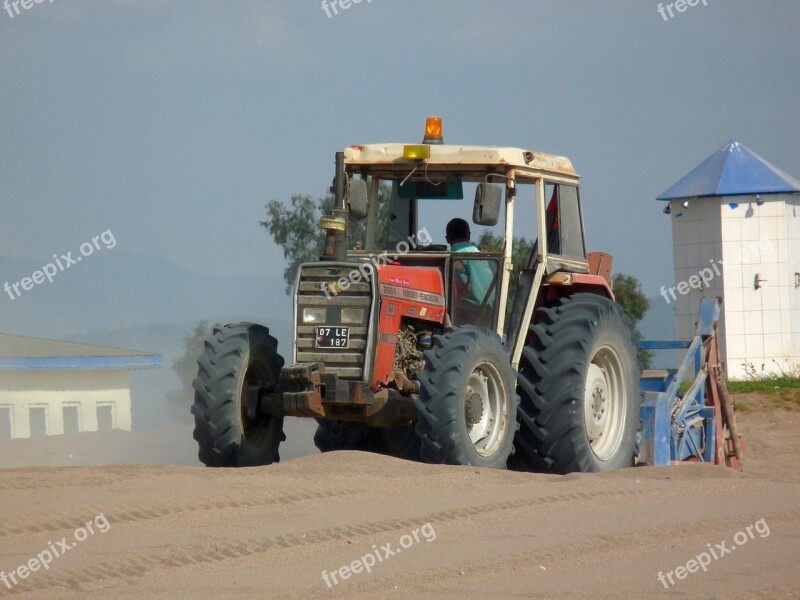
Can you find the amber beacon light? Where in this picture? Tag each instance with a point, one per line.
(433, 131)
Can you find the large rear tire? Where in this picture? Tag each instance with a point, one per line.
(579, 389)
(236, 356)
(467, 402)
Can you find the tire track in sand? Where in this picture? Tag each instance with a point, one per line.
(180, 556)
(149, 511)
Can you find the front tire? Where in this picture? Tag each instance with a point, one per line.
(467, 402)
(236, 357)
(579, 389)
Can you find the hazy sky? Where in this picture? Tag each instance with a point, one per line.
(173, 122)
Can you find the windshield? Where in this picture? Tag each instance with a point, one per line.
(419, 205)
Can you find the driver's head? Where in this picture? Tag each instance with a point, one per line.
(457, 231)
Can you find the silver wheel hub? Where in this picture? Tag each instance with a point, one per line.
(473, 410)
(599, 396)
(605, 403)
(486, 413)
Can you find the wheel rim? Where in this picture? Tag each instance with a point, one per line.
(485, 409)
(604, 403)
(256, 438)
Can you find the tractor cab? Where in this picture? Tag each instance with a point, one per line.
(398, 198)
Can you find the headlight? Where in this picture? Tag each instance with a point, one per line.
(314, 315)
(352, 315)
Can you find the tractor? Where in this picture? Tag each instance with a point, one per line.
(419, 350)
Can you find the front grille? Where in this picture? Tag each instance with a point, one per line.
(347, 363)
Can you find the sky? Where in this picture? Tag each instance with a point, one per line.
(173, 122)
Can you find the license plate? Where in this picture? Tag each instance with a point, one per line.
(333, 337)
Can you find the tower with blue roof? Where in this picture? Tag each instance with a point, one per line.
(736, 235)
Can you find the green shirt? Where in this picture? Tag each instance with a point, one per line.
(477, 272)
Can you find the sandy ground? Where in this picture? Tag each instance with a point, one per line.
(177, 532)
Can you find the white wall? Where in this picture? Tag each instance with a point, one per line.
(760, 328)
(792, 216)
(697, 250)
(53, 389)
(757, 337)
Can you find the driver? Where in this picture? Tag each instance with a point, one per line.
(474, 275)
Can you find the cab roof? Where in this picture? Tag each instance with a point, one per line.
(478, 157)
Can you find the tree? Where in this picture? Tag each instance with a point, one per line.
(185, 366)
(294, 228)
(520, 253)
(629, 295)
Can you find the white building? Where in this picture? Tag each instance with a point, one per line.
(736, 235)
(49, 387)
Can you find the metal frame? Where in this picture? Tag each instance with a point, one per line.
(696, 425)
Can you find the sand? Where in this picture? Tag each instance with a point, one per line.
(178, 531)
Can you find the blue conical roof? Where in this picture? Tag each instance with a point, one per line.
(733, 170)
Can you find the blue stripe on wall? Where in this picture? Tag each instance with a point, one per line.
(82, 362)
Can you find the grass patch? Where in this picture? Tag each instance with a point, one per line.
(768, 385)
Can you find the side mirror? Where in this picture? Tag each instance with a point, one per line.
(488, 199)
(358, 201)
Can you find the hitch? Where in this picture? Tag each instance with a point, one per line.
(262, 403)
